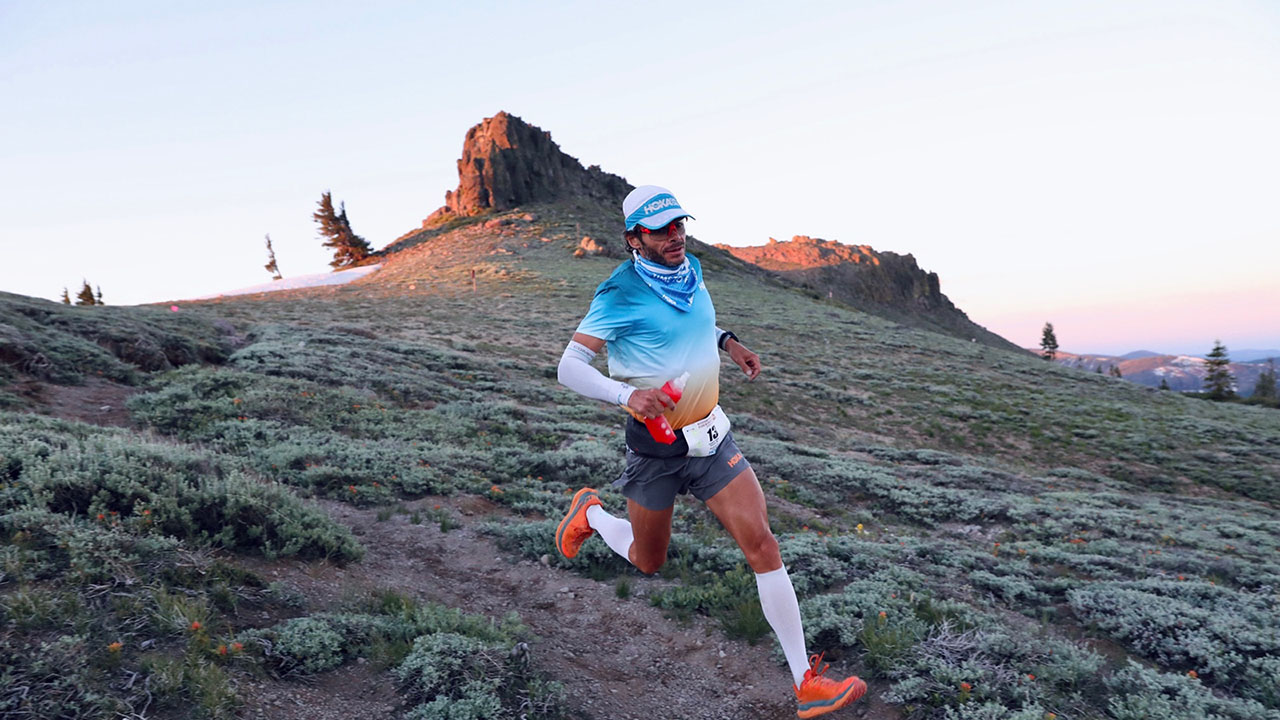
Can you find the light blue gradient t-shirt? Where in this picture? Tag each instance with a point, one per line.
(651, 342)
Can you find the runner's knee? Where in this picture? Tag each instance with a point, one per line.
(762, 552)
(649, 564)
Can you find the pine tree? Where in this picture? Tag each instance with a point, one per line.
(335, 228)
(66, 299)
(1048, 343)
(85, 296)
(98, 299)
(1115, 371)
(1218, 380)
(1164, 384)
(1266, 387)
(360, 249)
(271, 259)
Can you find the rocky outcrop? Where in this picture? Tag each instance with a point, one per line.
(882, 283)
(507, 163)
(853, 272)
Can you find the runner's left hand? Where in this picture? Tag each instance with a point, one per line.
(747, 360)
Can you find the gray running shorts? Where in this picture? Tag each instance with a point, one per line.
(654, 482)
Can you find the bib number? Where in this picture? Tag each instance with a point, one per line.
(704, 437)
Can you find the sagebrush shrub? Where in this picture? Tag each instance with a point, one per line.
(117, 480)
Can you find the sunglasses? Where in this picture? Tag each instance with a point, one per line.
(672, 228)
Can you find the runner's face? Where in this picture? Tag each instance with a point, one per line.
(664, 246)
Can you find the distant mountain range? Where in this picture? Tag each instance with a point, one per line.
(1243, 356)
(1184, 373)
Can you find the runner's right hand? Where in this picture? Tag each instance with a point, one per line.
(650, 403)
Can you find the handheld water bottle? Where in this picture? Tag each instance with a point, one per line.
(658, 427)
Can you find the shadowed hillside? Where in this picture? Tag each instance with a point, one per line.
(337, 505)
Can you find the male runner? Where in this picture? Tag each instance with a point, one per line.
(656, 316)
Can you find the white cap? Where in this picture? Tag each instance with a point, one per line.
(651, 206)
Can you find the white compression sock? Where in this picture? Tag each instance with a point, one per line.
(782, 610)
(615, 532)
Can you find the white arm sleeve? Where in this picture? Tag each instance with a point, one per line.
(575, 372)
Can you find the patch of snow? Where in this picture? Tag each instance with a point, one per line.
(341, 277)
(1187, 361)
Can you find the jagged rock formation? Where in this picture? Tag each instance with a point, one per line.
(507, 163)
(882, 283)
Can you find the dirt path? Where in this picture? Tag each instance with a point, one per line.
(619, 659)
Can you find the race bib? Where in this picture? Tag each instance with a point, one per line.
(704, 437)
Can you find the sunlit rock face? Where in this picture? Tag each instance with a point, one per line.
(507, 163)
(850, 272)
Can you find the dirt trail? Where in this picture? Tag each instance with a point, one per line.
(619, 659)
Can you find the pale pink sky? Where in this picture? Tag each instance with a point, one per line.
(1241, 317)
(1042, 157)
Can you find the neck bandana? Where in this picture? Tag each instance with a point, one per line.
(674, 285)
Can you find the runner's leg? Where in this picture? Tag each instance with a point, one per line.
(652, 532)
(615, 531)
(741, 509)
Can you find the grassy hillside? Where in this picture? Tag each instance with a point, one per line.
(984, 534)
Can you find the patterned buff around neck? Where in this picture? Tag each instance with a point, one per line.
(674, 285)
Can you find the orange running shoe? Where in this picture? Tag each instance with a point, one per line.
(818, 695)
(574, 529)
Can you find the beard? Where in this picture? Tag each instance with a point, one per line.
(656, 256)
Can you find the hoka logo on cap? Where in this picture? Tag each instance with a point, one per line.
(652, 207)
(663, 202)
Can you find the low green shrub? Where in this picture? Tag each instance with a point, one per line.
(346, 444)
(400, 371)
(116, 479)
(323, 641)
(454, 677)
(85, 672)
(52, 679)
(1141, 693)
(448, 664)
(1218, 632)
(310, 644)
(63, 344)
(106, 541)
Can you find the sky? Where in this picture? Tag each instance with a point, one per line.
(1111, 167)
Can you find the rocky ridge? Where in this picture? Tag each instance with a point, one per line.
(881, 283)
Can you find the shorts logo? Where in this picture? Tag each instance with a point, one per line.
(734, 460)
